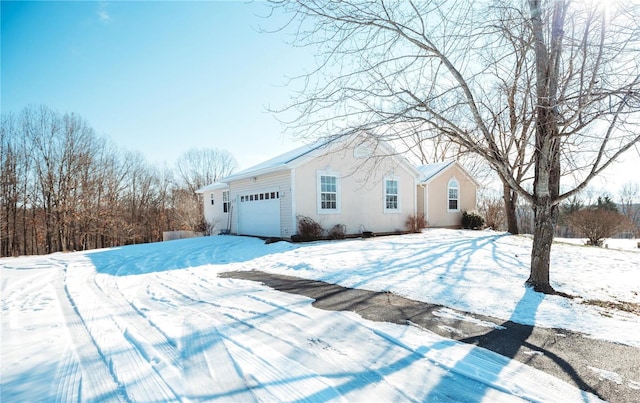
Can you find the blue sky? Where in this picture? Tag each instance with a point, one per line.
(156, 77)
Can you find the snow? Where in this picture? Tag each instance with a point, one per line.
(278, 162)
(428, 171)
(155, 322)
(609, 375)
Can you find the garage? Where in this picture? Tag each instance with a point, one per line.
(259, 214)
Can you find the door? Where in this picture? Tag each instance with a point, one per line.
(259, 214)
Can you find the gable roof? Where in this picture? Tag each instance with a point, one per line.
(430, 171)
(301, 154)
(280, 162)
(213, 186)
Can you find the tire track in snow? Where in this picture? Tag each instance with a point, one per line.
(257, 368)
(250, 335)
(84, 369)
(210, 371)
(69, 379)
(265, 378)
(25, 293)
(320, 352)
(121, 348)
(156, 345)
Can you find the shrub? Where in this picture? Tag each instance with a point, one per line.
(472, 220)
(493, 211)
(204, 226)
(338, 232)
(416, 223)
(597, 224)
(308, 228)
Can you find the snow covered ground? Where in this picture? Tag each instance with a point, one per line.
(155, 323)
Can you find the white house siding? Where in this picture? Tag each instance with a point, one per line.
(214, 213)
(361, 192)
(436, 201)
(278, 181)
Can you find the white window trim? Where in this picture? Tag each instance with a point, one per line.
(320, 210)
(226, 202)
(457, 182)
(384, 195)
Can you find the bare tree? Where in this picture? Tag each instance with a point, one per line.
(195, 169)
(204, 166)
(630, 204)
(550, 85)
(11, 162)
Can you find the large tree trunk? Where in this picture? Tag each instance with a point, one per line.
(545, 219)
(546, 184)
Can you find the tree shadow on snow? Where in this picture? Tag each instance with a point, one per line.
(511, 339)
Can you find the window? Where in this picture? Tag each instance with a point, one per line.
(391, 195)
(260, 197)
(225, 201)
(328, 193)
(453, 195)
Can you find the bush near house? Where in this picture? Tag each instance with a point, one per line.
(309, 229)
(416, 223)
(338, 231)
(472, 220)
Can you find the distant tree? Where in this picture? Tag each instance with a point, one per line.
(12, 159)
(605, 203)
(570, 206)
(199, 167)
(195, 169)
(630, 203)
(597, 224)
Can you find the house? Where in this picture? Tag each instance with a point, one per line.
(354, 182)
(445, 190)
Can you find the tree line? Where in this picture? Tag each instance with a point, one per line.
(63, 187)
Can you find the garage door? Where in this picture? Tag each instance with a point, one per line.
(259, 214)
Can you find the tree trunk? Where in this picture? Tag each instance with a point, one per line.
(546, 183)
(510, 203)
(545, 217)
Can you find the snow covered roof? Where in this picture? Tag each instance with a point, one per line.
(279, 162)
(287, 161)
(428, 171)
(213, 186)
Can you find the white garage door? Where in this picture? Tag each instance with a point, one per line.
(259, 214)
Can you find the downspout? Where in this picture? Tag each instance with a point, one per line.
(425, 201)
(292, 192)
